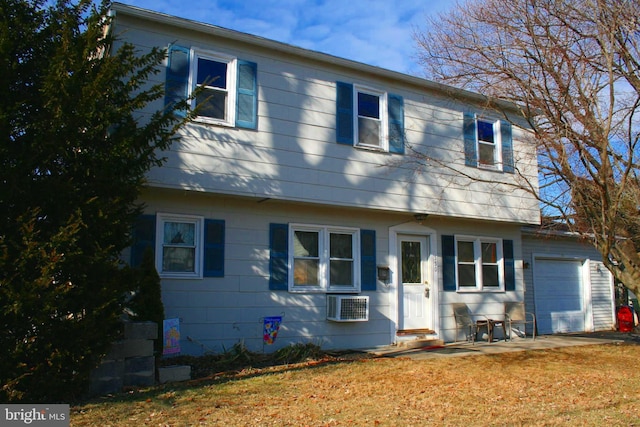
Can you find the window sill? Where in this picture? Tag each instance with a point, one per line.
(186, 276)
(324, 291)
(212, 122)
(497, 168)
(371, 148)
(480, 291)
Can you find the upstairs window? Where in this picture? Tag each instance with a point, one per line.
(370, 127)
(488, 143)
(369, 118)
(215, 76)
(214, 98)
(228, 86)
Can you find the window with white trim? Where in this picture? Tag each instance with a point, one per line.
(480, 264)
(179, 246)
(215, 74)
(324, 259)
(488, 140)
(371, 128)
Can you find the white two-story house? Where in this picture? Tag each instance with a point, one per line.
(295, 193)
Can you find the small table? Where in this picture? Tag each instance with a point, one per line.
(491, 323)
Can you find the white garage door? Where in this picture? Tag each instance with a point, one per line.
(559, 296)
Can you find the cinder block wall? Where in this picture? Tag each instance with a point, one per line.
(130, 362)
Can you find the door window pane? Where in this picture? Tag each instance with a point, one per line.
(411, 262)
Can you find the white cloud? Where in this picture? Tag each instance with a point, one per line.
(376, 32)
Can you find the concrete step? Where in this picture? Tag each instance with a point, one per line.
(420, 343)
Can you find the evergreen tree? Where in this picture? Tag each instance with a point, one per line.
(73, 156)
(146, 303)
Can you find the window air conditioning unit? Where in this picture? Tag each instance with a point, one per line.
(347, 308)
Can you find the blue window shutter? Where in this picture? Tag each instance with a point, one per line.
(469, 129)
(177, 83)
(278, 257)
(344, 113)
(213, 248)
(144, 236)
(247, 95)
(448, 263)
(507, 147)
(509, 266)
(368, 268)
(396, 123)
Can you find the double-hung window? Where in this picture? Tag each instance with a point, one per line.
(323, 259)
(369, 118)
(479, 264)
(227, 87)
(371, 130)
(214, 75)
(488, 143)
(179, 246)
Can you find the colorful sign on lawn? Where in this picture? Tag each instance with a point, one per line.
(171, 335)
(271, 327)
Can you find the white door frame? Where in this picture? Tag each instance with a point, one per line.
(434, 296)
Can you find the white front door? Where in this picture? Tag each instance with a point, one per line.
(414, 299)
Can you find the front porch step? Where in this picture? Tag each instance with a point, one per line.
(421, 343)
(405, 332)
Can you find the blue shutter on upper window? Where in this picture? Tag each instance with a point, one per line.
(213, 248)
(507, 147)
(247, 95)
(469, 130)
(144, 236)
(344, 113)
(368, 268)
(509, 266)
(278, 257)
(177, 79)
(396, 123)
(448, 263)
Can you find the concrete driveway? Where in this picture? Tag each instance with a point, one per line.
(517, 344)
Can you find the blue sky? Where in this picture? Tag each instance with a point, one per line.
(376, 32)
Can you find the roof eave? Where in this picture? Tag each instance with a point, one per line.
(237, 36)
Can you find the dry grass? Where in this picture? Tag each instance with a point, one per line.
(587, 385)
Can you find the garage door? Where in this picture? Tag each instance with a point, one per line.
(559, 296)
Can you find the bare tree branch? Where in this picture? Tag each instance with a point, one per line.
(573, 69)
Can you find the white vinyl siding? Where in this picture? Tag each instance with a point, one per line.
(293, 154)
